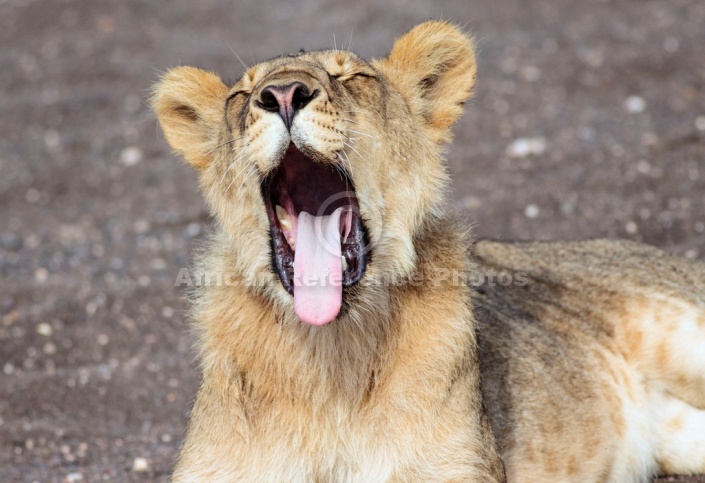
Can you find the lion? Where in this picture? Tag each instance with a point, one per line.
(363, 336)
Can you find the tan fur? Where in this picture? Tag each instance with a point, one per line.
(596, 363)
(577, 365)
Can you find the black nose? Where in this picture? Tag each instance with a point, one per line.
(286, 100)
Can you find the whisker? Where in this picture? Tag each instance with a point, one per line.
(342, 140)
(233, 180)
(361, 133)
(223, 144)
(238, 57)
(251, 56)
(244, 167)
(353, 148)
(237, 175)
(342, 171)
(239, 156)
(348, 159)
(350, 41)
(251, 171)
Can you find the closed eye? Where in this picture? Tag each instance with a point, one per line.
(233, 95)
(346, 76)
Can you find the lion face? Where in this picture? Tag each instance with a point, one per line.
(320, 166)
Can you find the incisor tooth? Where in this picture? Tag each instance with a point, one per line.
(345, 263)
(283, 217)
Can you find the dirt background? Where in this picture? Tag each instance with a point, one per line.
(588, 121)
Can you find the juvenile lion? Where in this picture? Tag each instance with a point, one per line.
(345, 348)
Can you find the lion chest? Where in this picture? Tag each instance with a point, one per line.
(331, 445)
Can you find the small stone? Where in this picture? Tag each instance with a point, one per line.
(531, 211)
(106, 24)
(643, 167)
(98, 250)
(635, 104)
(14, 316)
(700, 123)
(594, 58)
(158, 264)
(192, 230)
(140, 465)
(41, 275)
(103, 339)
(530, 73)
(44, 329)
(52, 140)
(671, 45)
(32, 195)
(523, 147)
(8, 368)
(32, 241)
(617, 150)
(691, 254)
(73, 477)
(470, 202)
(91, 307)
(141, 226)
(649, 139)
(131, 155)
(631, 227)
(167, 312)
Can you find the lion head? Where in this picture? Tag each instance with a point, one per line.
(321, 167)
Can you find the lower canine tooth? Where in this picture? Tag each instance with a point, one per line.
(283, 217)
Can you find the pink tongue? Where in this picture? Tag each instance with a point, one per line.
(318, 268)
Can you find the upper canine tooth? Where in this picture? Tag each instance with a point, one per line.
(284, 218)
(345, 263)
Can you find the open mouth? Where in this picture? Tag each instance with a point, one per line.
(318, 239)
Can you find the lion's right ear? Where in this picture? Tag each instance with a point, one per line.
(190, 106)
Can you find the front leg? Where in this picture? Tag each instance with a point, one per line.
(217, 437)
(455, 461)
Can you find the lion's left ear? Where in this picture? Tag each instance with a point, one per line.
(434, 68)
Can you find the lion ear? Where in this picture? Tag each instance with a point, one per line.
(190, 106)
(434, 68)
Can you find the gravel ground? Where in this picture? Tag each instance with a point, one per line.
(588, 121)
